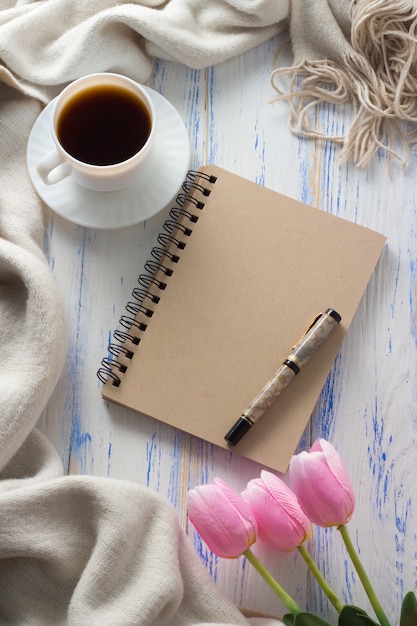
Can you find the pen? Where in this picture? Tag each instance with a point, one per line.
(314, 336)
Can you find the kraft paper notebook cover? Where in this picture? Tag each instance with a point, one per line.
(248, 277)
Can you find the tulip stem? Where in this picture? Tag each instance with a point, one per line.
(363, 576)
(320, 579)
(286, 599)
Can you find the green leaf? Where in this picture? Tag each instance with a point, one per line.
(409, 610)
(308, 619)
(304, 619)
(354, 616)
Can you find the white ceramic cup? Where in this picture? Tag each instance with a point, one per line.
(60, 163)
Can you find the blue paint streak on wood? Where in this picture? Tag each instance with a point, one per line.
(153, 461)
(150, 451)
(205, 452)
(109, 451)
(327, 404)
(402, 506)
(193, 110)
(377, 457)
(413, 296)
(209, 559)
(260, 149)
(177, 460)
(323, 546)
(396, 280)
(80, 441)
(212, 125)
(349, 582)
(160, 71)
(305, 191)
(244, 565)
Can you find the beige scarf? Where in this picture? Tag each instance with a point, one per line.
(362, 54)
(83, 550)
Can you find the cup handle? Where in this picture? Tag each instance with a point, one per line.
(52, 168)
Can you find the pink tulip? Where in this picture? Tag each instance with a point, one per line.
(282, 524)
(222, 518)
(322, 485)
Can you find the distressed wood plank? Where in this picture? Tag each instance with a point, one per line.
(367, 407)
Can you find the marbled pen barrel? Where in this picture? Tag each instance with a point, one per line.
(300, 355)
(272, 390)
(314, 337)
(316, 334)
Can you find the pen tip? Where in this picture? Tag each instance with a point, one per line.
(237, 431)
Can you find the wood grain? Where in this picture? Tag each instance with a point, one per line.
(367, 407)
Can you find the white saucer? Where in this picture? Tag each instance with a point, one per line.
(156, 185)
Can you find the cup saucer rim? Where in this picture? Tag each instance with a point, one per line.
(156, 185)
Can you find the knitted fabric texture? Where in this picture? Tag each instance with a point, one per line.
(360, 55)
(84, 550)
(80, 550)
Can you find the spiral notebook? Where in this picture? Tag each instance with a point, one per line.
(236, 277)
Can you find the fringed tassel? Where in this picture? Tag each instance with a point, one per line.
(378, 77)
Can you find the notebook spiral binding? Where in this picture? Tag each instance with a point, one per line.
(157, 270)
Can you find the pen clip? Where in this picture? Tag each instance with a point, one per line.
(313, 323)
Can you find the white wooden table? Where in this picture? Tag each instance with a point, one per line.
(368, 407)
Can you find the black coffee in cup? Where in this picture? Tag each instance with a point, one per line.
(103, 125)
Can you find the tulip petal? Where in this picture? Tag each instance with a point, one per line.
(222, 518)
(322, 485)
(336, 466)
(287, 499)
(282, 524)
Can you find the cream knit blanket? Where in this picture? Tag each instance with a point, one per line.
(83, 550)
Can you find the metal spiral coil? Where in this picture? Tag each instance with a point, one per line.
(162, 264)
